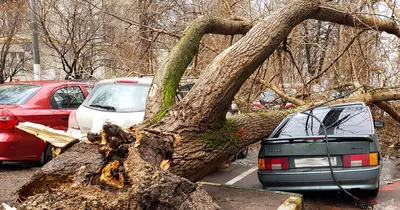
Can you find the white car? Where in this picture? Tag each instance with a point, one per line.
(120, 101)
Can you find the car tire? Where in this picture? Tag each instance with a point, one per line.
(47, 155)
(242, 153)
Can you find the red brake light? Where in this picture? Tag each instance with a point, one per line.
(126, 81)
(276, 163)
(358, 160)
(7, 120)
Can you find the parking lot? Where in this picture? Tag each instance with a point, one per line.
(13, 175)
(243, 173)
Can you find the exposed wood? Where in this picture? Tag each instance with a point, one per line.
(57, 138)
(77, 179)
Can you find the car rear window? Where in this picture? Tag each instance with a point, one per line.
(338, 121)
(118, 97)
(17, 94)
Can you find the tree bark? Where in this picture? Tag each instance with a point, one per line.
(111, 173)
(166, 80)
(385, 106)
(198, 155)
(210, 98)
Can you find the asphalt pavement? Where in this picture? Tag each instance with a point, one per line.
(243, 173)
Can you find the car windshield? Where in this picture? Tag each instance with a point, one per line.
(118, 97)
(17, 94)
(337, 120)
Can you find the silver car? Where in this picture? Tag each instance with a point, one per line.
(295, 155)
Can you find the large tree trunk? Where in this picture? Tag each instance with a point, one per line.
(166, 80)
(198, 155)
(210, 98)
(189, 139)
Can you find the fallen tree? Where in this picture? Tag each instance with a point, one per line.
(379, 99)
(152, 166)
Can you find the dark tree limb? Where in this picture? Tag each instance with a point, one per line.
(385, 106)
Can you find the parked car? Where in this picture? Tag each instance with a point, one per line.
(45, 102)
(121, 101)
(294, 156)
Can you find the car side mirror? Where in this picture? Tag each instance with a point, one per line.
(379, 124)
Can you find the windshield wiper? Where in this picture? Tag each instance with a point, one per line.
(103, 107)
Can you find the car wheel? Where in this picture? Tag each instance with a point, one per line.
(47, 155)
(242, 153)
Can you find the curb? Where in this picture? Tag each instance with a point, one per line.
(294, 202)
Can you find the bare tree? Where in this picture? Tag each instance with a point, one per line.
(11, 22)
(72, 30)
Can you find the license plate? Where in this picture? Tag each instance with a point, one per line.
(314, 162)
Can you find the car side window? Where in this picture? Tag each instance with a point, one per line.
(67, 98)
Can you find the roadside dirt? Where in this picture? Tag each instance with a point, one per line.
(12, 176)
(234, 198)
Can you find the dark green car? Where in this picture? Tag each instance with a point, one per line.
(295, 156)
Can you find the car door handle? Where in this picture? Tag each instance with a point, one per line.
(64, 117)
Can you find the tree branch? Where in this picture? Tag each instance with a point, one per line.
(283, 95)
(385, 106)
(166, 80)
(333, 13)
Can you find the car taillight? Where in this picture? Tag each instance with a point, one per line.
(72, 121)
(7, 120)
(273, 163)
(356, 160)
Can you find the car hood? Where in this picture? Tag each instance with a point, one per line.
(92, 120)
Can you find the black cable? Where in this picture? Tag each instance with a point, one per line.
(362, 204)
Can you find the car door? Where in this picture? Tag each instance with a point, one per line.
(62, 102)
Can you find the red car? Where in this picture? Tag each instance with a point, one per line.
(45, 102)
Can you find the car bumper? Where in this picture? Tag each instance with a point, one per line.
(364, 178)
(13, 146)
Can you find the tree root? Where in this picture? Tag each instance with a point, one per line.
(114, 171)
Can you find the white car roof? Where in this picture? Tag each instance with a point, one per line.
(140, 80)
